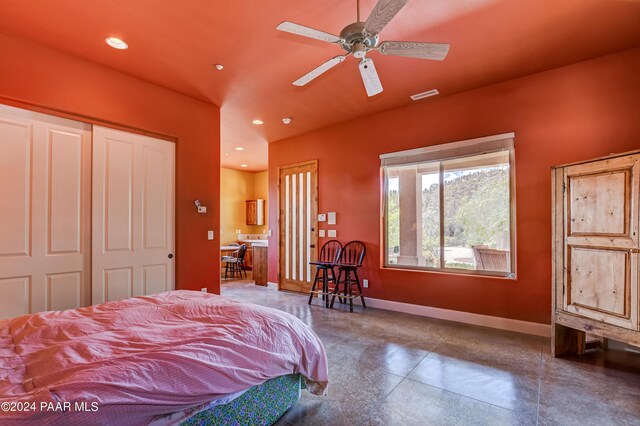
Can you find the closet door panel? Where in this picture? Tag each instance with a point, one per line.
(15, 192)
(118, 196)
(133, 215)
(44, 212)
(16, 296)
(64, 291)
(65, 192)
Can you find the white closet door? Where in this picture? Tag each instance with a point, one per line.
(44, 212)
(133, 215)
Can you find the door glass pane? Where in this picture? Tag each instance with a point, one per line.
(477, 212)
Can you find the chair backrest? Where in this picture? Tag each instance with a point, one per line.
(489, 259)
(241, 252)
(330, 251)
(234, 253)
(352, 253)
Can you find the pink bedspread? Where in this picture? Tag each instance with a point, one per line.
(125, 362)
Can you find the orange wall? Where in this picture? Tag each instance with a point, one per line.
(577, 112)
(36, 77)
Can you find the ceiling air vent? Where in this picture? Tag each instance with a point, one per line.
(426, 94)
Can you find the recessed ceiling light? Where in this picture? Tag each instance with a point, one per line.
(258, 122)
(286, 120)
(243, 165)
(219, 67)
(239, 148)
(116, 43)
(227, 154)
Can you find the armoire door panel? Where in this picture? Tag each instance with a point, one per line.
(599, 203)
(64, 291)
(16, 296)
(64, 192)
(118, 204)
(601, 240)
(155, 198)
(15, 191)
(599, 280)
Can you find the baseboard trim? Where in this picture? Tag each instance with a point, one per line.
(534, 328)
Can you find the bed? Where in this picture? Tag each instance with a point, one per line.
(171, 358)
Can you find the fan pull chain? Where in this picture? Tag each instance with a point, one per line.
(357, 10)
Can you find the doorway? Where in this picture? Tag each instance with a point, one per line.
(298, 224)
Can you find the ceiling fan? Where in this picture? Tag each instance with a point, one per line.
(360, 38)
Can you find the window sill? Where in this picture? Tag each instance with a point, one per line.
(457, 272)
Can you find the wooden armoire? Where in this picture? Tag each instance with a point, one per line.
(595, 252)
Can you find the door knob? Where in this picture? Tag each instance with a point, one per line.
(170, 256)
(312, 246)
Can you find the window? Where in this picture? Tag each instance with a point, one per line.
(451, 207)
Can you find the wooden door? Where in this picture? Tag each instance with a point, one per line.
(44, 213)
(133, 215)
(601, 240)
(298, 224)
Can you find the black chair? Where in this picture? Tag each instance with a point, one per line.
(236, 263)
(351, 258)
(329, 255)
(233, 253)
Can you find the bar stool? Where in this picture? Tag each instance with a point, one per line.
(329, 255)
(351, 258)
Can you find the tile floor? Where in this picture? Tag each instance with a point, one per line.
(389, 368)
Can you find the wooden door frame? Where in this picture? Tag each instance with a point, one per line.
(279, 205)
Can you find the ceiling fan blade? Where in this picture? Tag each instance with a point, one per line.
(290, 27)
(382, 13)
(370, 77)
(316, 72)
(411, 49)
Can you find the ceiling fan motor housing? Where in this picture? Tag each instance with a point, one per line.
(356, 41)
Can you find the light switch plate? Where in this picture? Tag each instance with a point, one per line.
(321, 233)
(322, 217)
(210, 235)
(332, 233)
(202, 209)
(331, 218)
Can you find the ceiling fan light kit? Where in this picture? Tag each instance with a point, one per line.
(359, 38)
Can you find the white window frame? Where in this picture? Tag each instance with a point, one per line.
(440, 153)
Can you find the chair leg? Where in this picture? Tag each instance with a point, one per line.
(336, 282)
(336, 289)
(313, 286)
(347, 279)
(226, 269)
(348, 283)
(321, 280)
(355, 273)
(325, 287)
